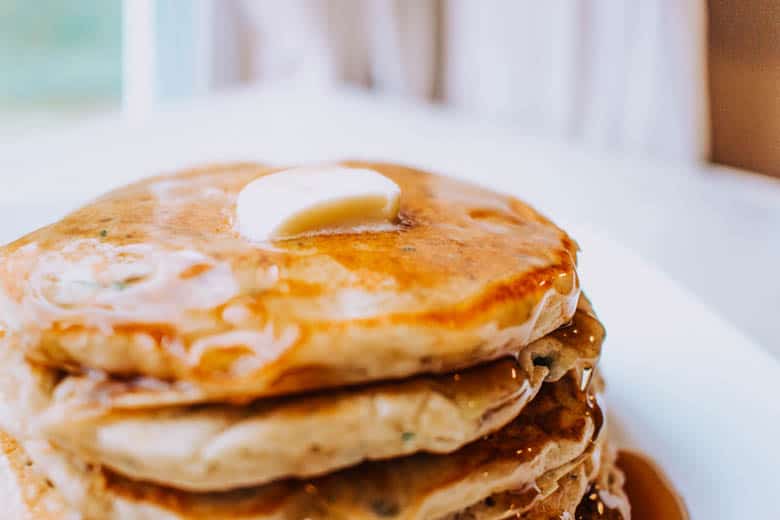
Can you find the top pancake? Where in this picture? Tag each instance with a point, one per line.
(152, 280)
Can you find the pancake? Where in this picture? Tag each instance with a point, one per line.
(28, 494)
(152, 281)
(25, 491)
(606, 498)
(557, 429)
(221, 446)
(591, 489)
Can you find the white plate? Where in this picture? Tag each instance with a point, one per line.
(683, 385)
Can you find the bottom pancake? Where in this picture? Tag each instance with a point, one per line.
(557, 429)
(589, 488)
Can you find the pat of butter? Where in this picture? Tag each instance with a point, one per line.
(302, 201)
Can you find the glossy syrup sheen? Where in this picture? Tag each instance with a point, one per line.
(560, 413)
(226, 312)
(87, 391)
(440, 237)
(649, 491)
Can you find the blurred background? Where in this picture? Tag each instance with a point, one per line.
(689, 86)
(686, 79)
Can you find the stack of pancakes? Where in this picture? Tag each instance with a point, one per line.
(156, 365)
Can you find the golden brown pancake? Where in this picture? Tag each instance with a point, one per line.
(158, 365)
(26, 493)
(591, 489)
(218, 446)
(152, 281)
(558, 429)
(221, 446)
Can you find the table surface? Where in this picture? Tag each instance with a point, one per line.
(714, 230)
(683, 383)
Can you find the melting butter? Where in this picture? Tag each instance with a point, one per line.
(302, 201)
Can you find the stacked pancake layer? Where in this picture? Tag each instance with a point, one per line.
(157, 365)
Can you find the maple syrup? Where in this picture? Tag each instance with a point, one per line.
(649, 491)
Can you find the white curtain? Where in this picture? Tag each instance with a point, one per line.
(618, 75)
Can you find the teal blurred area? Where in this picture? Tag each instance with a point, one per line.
(175, 45)
(60, 52)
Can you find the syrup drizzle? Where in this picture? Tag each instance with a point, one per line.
(650, 494)
(649, 491)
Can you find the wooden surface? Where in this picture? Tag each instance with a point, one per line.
(744, 77)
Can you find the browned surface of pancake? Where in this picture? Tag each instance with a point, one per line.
(375, 490)
(574, 346)
(571, 488)
(220, 446)
(588, 489)
(301, 436)
(606, 497)
(25, 494)
(557, 428)
(442, 289)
